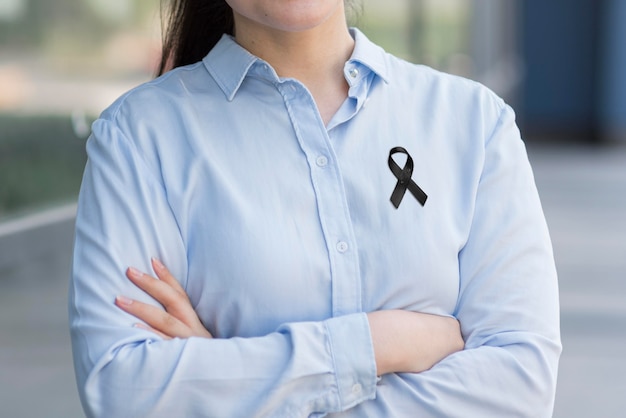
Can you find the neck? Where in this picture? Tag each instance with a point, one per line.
(298, 54)
(315, 57)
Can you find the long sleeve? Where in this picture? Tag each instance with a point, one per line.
(124, 218)
(507, 305)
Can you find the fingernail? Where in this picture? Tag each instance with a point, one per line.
(157, 264)
(123, 300)
(141, 326)
(134, 273)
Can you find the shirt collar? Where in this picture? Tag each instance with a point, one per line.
(369, 54)
(229, 63)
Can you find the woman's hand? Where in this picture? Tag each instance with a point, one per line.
(412, 342)
(178, 320)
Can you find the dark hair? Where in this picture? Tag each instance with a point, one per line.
(191, 28)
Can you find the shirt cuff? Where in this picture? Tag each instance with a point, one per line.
(353, 356)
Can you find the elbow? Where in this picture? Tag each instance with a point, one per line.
(542, 361)
(537, 367)
(524, 365)
(104, 393)
(134, 379)
(107, 386)
(98, 393)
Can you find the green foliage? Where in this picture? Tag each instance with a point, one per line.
(41, 162)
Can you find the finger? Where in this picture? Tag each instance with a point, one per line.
(155, 317)
(161, 291)
(164, 274)
(149, 328)
(176, 304)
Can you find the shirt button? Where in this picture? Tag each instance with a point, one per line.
(321, 161)
(354, 72)
(356, 389)
(342, 246)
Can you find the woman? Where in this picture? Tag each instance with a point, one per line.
(261, 175)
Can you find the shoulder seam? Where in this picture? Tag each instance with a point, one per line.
(115, 107)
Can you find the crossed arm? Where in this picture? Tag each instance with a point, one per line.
(403, 341)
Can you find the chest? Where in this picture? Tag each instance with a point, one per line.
(284, 222)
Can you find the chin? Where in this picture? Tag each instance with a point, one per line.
(299, 23)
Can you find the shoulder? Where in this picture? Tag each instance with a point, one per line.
(153, 113)
(145, 120)
(409, 87)
(161, 96)
(443, 90)
(435, 98)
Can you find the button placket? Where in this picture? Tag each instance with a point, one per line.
(329, 190)
(337, 227)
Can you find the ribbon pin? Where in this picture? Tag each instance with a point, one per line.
(404, 179)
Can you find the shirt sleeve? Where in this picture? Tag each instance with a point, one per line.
(507, 306)
(301, 369)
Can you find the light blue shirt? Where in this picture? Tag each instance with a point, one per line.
(282, 232)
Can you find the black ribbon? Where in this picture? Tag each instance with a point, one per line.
(404, 179)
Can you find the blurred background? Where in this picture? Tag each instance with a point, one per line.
(561, 64)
